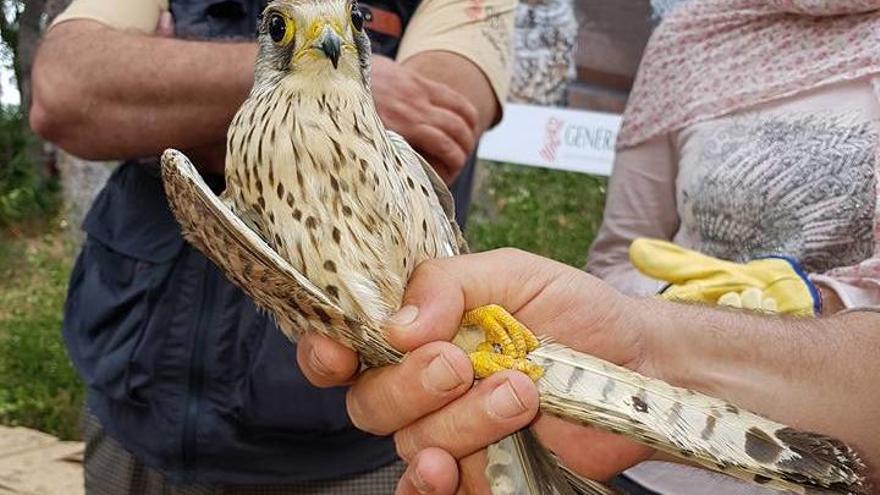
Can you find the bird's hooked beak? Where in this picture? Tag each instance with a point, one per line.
(330, 44)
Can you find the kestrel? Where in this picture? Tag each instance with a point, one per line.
(326, 213)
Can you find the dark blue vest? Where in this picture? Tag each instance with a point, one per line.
(181, 368)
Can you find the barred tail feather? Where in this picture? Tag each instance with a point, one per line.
(714, 433)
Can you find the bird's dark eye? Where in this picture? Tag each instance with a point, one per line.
(280, 30)
(357, 18)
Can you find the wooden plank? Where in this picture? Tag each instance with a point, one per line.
(35, 463)
(613, 35)
(596, 98)
(14, 440)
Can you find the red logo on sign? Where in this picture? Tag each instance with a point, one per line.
(551, 139)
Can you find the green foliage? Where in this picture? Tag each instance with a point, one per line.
(25, 193)
(551, 213)
(38, 386)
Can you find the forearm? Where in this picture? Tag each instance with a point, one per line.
(106, 94)
(818, 374)
(640, 203)
(463, 76)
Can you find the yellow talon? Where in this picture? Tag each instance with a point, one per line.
(485, 346)
(488, 363)
(506, 345)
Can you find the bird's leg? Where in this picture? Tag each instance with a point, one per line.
(506, 345)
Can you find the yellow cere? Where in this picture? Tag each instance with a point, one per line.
(334, 23)
(316, 27)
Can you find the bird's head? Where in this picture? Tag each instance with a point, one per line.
(312, 39)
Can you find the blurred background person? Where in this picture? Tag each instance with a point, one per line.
(191, 389)
(544, 52)
(751, 132)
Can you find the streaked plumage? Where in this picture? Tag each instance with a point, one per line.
(326, 214)
(312, 166)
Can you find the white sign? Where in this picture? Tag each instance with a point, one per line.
(557, 138)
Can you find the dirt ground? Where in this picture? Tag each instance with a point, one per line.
(35, 463)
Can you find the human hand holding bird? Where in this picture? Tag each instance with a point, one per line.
(684, 344)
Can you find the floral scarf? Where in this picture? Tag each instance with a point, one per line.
(759, 50)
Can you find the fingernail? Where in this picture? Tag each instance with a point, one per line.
(504, 403)
(317, 365)
(404, 316)
(440, 375)
(419, 483)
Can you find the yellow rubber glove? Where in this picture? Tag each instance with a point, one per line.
(773, 284)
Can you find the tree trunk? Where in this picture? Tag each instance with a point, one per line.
(22, 36)
(81, 181)
(29, 30)
(54, 7)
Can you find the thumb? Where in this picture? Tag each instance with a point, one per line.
(441, 290)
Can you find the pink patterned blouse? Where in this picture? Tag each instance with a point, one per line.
(753, 130)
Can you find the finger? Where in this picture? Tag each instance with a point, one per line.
(324, 362)
(447, 175)
(454, 127)
(431, 471)
(431, 141)
(439, 291)
(496, 407)
(387, 399)
(442, 95)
